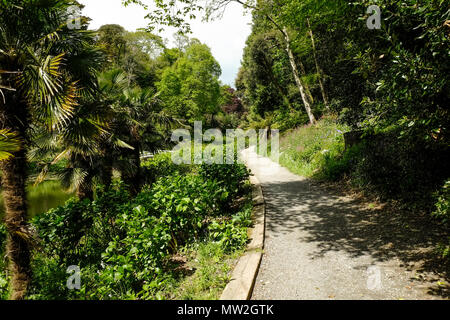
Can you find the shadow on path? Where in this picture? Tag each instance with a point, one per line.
(333, 222)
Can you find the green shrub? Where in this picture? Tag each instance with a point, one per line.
(442, 212)
(232, 177)
(122, 245)
(244, 216)
(161, 165)
(230, 235)
(338, 163)
(393, 165)
(400, 167)
(132, 263)
(442, 205)
(169, 215)
(49, 279)
(61, 229)
(185, 201)
(443, 249)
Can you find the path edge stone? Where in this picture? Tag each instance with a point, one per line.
(246, 270)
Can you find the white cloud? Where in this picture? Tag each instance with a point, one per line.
(226, 37)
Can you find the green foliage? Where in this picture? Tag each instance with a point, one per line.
(133, 52)
(443, 249)
(124, 245)
(232, 234)
(111, 38)
(315, 150)
(8, 143)
(161, 165)
(442, 212)
(244, 216)
(4, 289)
(228, 234)
(190, 87)
(229, 176)
(56, 65)
(383, 163)
(211, 276)
(212, 267)
(62, 228)
(392, 83)
(442, 204)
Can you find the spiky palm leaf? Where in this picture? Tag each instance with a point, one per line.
(8, 144)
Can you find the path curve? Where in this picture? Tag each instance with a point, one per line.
(311, 247)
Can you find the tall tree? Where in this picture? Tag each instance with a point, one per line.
(213, 9)
(45, 71)
(318, 68)
(190, 88)
(136, 124)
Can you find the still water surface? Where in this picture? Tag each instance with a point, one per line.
(43, 197)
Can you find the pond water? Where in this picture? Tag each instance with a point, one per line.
(43, 197)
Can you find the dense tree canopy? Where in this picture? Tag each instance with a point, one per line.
(190, 87)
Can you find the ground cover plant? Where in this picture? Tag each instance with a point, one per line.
(125, 247)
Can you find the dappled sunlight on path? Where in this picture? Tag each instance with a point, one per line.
(323, 245)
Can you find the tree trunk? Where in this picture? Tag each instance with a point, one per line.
(134, 179)
(106, 174)
(15, 118)
(85, 187)
(305, 94)
(319, 70)
(14, 180)
(307, 91)
(84, 190)
(298, 81)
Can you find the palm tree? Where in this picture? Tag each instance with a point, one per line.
(78, 142)
(138, 124)
(45, 68)
(145, 128)
(8, 144)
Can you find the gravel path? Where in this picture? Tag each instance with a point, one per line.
(318, 245)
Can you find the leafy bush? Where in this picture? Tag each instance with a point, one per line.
(442, 212)
(122, 245)
(401, 167)
(232, 177)
(169, 215)
(133, 262)
(49, 279)
(244, 217)
(76, 233)
(443, 249)
(385, 162)
(161, 165)
(230, 235)
(81, 230)
(61, 229)
(442, 204)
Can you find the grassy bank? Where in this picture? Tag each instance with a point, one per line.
(315, 150)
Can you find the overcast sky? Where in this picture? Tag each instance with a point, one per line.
(226, 37)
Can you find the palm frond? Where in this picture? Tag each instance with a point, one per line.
(9, 143)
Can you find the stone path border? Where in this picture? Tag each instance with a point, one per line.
(244, 275)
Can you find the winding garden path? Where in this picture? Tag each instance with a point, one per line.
(322, 245)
